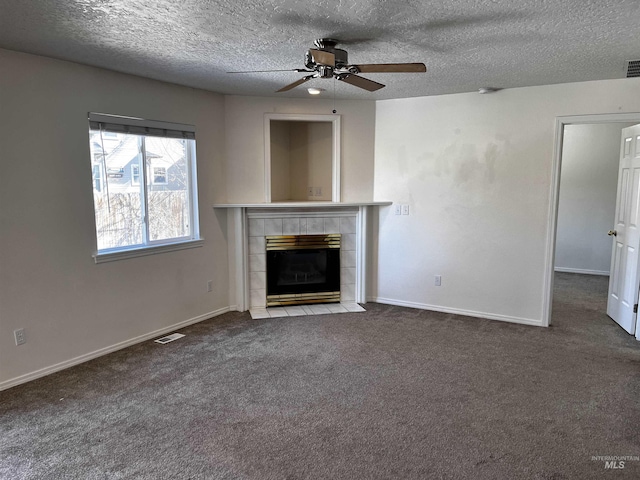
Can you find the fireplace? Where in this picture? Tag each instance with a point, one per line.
(302, 269)
(250, 224)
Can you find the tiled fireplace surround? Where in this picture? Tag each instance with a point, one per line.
(250, 223)
(308, 224)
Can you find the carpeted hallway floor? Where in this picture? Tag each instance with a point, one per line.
(394, 393)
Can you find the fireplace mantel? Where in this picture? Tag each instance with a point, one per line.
(302, 205)
(351, 218)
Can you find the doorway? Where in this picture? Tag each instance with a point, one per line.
(575, 220)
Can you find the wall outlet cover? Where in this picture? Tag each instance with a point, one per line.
(19, 337)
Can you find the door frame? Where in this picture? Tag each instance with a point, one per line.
(554, 194)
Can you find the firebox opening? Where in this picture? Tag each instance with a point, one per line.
(303, 269)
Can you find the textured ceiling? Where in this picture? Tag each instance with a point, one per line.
(465, 44)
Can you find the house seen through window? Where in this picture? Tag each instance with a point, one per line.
(144, 188)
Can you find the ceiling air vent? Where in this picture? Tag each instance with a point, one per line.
(633, 68)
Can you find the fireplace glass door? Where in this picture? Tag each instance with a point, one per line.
(303, 269)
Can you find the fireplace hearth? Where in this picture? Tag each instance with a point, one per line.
(302, 269)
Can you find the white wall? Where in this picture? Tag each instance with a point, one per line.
(476, 171)
(49, 283)
(587, 201)
(244, 131)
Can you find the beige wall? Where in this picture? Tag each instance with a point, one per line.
(319, 153)
(49, 283)
(244, 131)
(280, 161)
(311, 148)
(299, 178)
(476, 171)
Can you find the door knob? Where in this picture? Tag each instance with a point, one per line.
(612, 233)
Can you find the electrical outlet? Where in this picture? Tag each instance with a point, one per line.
(405, 209)
(318, 191)
(438, 280)
(310, 191)
(210, 286)
(19, 336)
(398, 209)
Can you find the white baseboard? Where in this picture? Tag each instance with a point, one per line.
(582, 271)
(458, 311)
(106, 350)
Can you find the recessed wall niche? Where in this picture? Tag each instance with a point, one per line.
(302, 158)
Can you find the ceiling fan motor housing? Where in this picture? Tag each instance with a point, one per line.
(341, 56)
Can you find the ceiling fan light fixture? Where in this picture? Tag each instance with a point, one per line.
(483, 90)
(315, 91)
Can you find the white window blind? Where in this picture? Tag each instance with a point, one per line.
(139, 126)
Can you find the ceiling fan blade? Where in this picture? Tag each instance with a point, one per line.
(268, 71)
(323, 58)
(391, 67)
(295, 84)
(362, 82)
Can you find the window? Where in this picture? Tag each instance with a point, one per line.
(156, 206)
(135, 174)
(97, 178)
(159, 176)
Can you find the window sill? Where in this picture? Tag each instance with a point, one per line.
(143, 251)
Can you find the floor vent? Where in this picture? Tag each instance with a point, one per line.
(633, 68)
(169, 338)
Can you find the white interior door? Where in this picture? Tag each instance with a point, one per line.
(622, 303)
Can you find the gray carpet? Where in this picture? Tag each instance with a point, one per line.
(393, 393)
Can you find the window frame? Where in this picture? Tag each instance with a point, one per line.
(121, 124)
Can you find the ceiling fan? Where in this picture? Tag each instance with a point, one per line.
(327, 61)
